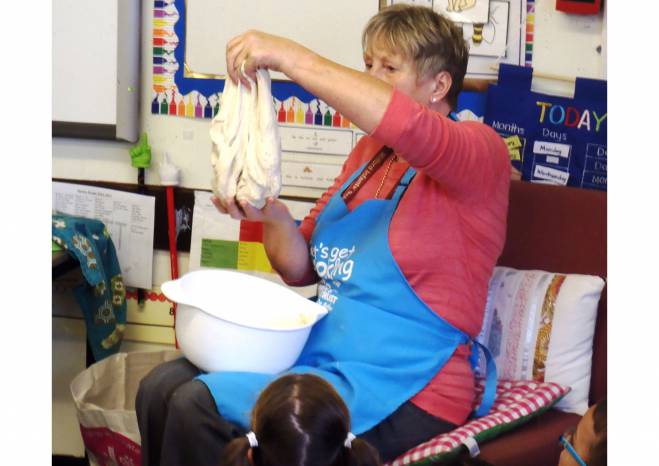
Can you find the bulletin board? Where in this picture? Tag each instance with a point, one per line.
(95, 69)
(188, 75)
(211, 24)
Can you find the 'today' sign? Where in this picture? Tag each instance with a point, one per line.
(551, 139)
(570, 116)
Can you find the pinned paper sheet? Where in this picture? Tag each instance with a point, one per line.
(514, 144)
(488, 38)
(218, 241)
(463, 11)
(128, 217)
(237, 255)
(499, 39)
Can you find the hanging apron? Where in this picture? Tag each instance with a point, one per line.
(380, 344)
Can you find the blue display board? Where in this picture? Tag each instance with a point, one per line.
(551, 139)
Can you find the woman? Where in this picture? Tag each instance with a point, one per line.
(403, 245)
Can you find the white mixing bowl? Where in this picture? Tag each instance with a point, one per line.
(231, 321)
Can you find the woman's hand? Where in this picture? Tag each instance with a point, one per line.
(273, 212)
(363, 99)
(285, 246)
(254, 49)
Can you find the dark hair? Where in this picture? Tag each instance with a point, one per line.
(597, 455)
(300, 420)
(434, 42)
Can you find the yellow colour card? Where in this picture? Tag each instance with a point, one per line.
(513, 142)
(252, 256)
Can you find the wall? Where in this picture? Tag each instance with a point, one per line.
(566, 45)
(563, 44)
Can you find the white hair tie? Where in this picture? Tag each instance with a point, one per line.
(251, 437)
(349, 438)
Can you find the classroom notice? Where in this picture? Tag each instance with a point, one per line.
(128, 217)
(218, 241)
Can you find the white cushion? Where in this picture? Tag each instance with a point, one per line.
(540, 326)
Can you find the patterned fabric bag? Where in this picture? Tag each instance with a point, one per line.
(103, 297)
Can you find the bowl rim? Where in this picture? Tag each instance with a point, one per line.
(174, 291)
(257, 327)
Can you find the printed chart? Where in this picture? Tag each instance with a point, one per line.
(218, 241)
(247, 253)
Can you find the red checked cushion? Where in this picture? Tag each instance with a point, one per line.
(516, 403)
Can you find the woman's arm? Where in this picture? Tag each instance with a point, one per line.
(358, 96)
(466, 157)
(461, 156)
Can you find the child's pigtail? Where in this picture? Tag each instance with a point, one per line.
(235, 453)
(361, 453)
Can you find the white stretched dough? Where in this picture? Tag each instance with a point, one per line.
(246, 147)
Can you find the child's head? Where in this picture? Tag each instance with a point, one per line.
(587, 440)
(300, 420)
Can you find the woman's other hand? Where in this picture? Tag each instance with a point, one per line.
(255, 49)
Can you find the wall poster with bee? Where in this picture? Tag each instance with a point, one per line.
(463, 11)
(489, 38)
(501, 39)
(494, 29)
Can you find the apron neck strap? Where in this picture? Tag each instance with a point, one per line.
(403, 184)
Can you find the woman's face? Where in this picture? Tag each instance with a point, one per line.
(399, 71)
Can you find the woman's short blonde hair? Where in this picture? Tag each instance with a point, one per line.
(432, 41)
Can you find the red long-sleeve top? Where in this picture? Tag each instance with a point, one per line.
(448, 230)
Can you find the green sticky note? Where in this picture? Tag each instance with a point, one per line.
(219, 253)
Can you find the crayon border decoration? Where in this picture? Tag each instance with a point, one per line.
(530, 25)
(176, 95)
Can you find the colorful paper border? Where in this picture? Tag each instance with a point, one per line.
(530, 27)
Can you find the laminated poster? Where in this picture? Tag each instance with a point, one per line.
(218, 241)
(128, 217)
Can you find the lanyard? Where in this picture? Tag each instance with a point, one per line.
(372, 167)
(368, 171)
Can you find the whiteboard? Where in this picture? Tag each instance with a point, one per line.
(96, 67)
(331, 28)
(84, 53)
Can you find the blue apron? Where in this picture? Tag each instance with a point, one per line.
(380, 344)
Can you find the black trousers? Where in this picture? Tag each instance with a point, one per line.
(180, 425)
